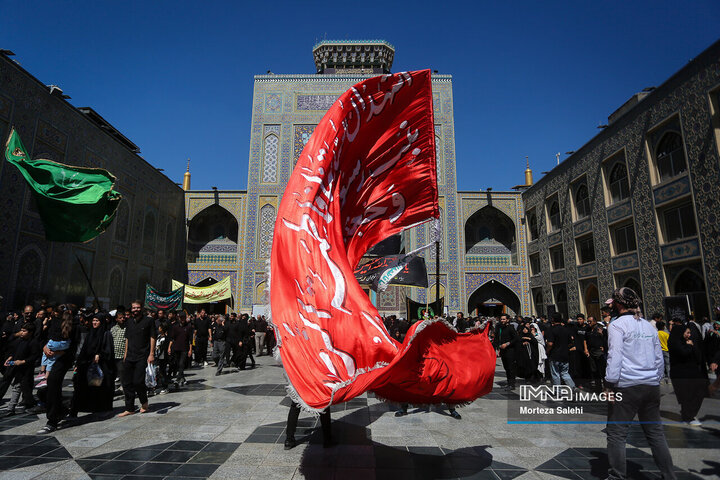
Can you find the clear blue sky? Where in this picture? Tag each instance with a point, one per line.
(530, 78)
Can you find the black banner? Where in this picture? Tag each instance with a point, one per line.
(412, 271)
(677, 306)
(390, 246)
(415, 309)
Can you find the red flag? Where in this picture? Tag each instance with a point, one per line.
(367, 172)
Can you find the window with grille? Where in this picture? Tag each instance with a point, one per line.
(554, 216)
(534, 264)
(582, 202)
(624, 239)
(532, 225)
(586, 249)
(618, 182)
(670, 156)
(556, 258)
(678, 222)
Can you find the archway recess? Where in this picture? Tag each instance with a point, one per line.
(489, 231)
(492, 299)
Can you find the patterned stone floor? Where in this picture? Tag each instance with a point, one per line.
(233, 426)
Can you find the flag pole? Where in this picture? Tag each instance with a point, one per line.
(437, 271)
(97, 300)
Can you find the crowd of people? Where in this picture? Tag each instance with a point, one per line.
(109, 353)
(574, 352)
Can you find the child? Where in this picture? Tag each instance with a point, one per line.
(57, 345)
(161, 358)
(20, 369)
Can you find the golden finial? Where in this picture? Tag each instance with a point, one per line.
(528, 172)
(186, 177)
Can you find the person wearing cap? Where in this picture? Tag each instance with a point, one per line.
(635, 368)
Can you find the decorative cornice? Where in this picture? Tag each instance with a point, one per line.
(436, 78)
(353, 42)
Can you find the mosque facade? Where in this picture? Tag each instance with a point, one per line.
(482, 256)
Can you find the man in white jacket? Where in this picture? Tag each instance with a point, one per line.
(635, 368)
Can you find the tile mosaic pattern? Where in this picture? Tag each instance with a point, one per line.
(235, 428)
(681, 104)
(181, 459)
(591, 463)
(20, 451)
(7, 423)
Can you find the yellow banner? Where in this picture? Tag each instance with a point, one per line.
(221, 290)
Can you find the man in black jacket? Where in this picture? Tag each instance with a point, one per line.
(202, 334)
(246, 342)
(506, 340)
(20, 366)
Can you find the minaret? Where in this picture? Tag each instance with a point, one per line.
(528, 173)
(186, 178)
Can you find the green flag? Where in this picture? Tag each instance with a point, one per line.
(76, 204)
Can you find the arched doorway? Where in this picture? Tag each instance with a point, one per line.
(214, 230)
(592, 301)
(28, 277)
(490, 232)
(492, 299)
(689, 283)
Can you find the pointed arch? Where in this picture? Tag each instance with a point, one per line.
(489, 231)
(115, 286)
(28, 275)
(212, 230)
(690, 282)
(493, 298)
(270, 158)
(265, 232)
(122, 222)
(149, 228)
(670, 155)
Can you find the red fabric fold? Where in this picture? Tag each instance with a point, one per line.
(367, 172)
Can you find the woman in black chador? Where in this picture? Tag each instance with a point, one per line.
(527, 355)
(688, 371)
(97, 349)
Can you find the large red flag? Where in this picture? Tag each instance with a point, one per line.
(367, 172)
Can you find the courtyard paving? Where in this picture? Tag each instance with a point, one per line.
(232, 426)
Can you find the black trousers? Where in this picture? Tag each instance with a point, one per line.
(643, 401)
(133, 383)
(292, 420)
(508, 360)
(162, 372)
(179, 359)
(245, 351)
(219, 354)
(53, 395)
(232, 353)
(201, 346)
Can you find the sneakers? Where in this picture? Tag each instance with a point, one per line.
(42, 384)
(401, 413)
(205, 364)
(37, 409)
(46, 429)
(163, 391)
(39, 377)
(694, 423)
